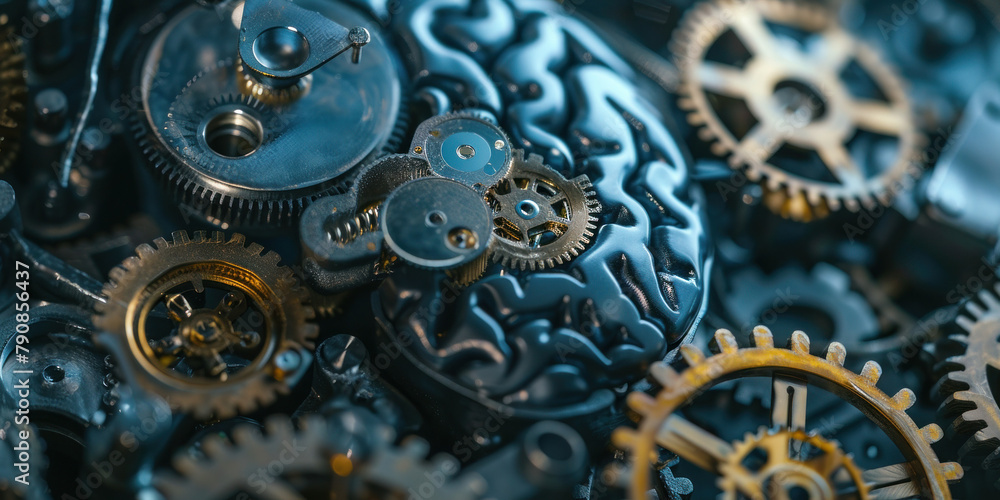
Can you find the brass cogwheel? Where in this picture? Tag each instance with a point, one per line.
(540, 218)
(791, 369)
(251, 87)
(971, 399)
(209, 324)
(13, 95)
(790, 463)
(787, 111)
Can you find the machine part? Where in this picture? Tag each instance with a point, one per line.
(541, 220)
(11, 488)
(969, 384)
(216, 148)
(348, 455)
(959, 190)
(791, 370)
(561, 92)
(436, 223)
(464, 147)
(820, 299)
(539, 347)
(281, 42)
(792, 112)
(790, 463)
(64, 374)
(210, 325)
(13, 96)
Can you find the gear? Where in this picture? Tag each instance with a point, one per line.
(922, 474)
(235, 154)
(464, 147)
(331, 460)
(210, 325)
(796, 113)
(13, 94)
(541, 219)
(789, 464)
(971, 398)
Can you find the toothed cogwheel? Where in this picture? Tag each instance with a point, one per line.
(13, 95)
(790, 464)
(794, 114)
(320, 459)
(209, 324)
(921, 475)
(540, 218)
(969, 385)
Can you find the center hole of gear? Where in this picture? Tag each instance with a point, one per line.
(466, 151)
(233, 133)
(436, 218)
(528, 209)
(53, 373)
(800, 101)
(281, 48)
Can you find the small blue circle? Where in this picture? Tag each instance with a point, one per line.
(456, 152)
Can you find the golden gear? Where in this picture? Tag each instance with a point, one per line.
(13, 94)
(781, 463)
(240, 345)
(540, 218)
(970, 398)
(922, 474)
(787, 94)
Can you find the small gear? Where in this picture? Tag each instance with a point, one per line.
(320, 459)
(13, 95)
(796, 112)
(540, 218)
(210, 325)
(251, 87)
(465, 147)
(790, 464)
(791, 370)
(969, 385)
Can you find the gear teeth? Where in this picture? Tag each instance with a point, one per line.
(725, 342)
(642, 403)
(180, 238)
(161, 243)
(692, 354)
(144, 251)
(836, 353)
(664, 374)
(932, 433)
(904, 399)
(763, 338)
(871, 372)
(799, 342)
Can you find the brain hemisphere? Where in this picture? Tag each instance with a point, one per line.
(564, 94)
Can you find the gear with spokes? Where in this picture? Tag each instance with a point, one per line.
(797, 103)
(540, 218)
(792, 370)
(790, 464)
(970, 384)
(209, 324)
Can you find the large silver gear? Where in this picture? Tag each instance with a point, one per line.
(541, 219)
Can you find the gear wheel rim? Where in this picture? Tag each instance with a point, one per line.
(790, 195)
(132, 279)
(970, 406)
(826, 373)
(581, 202)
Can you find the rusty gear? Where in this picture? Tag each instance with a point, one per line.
(923, 474)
